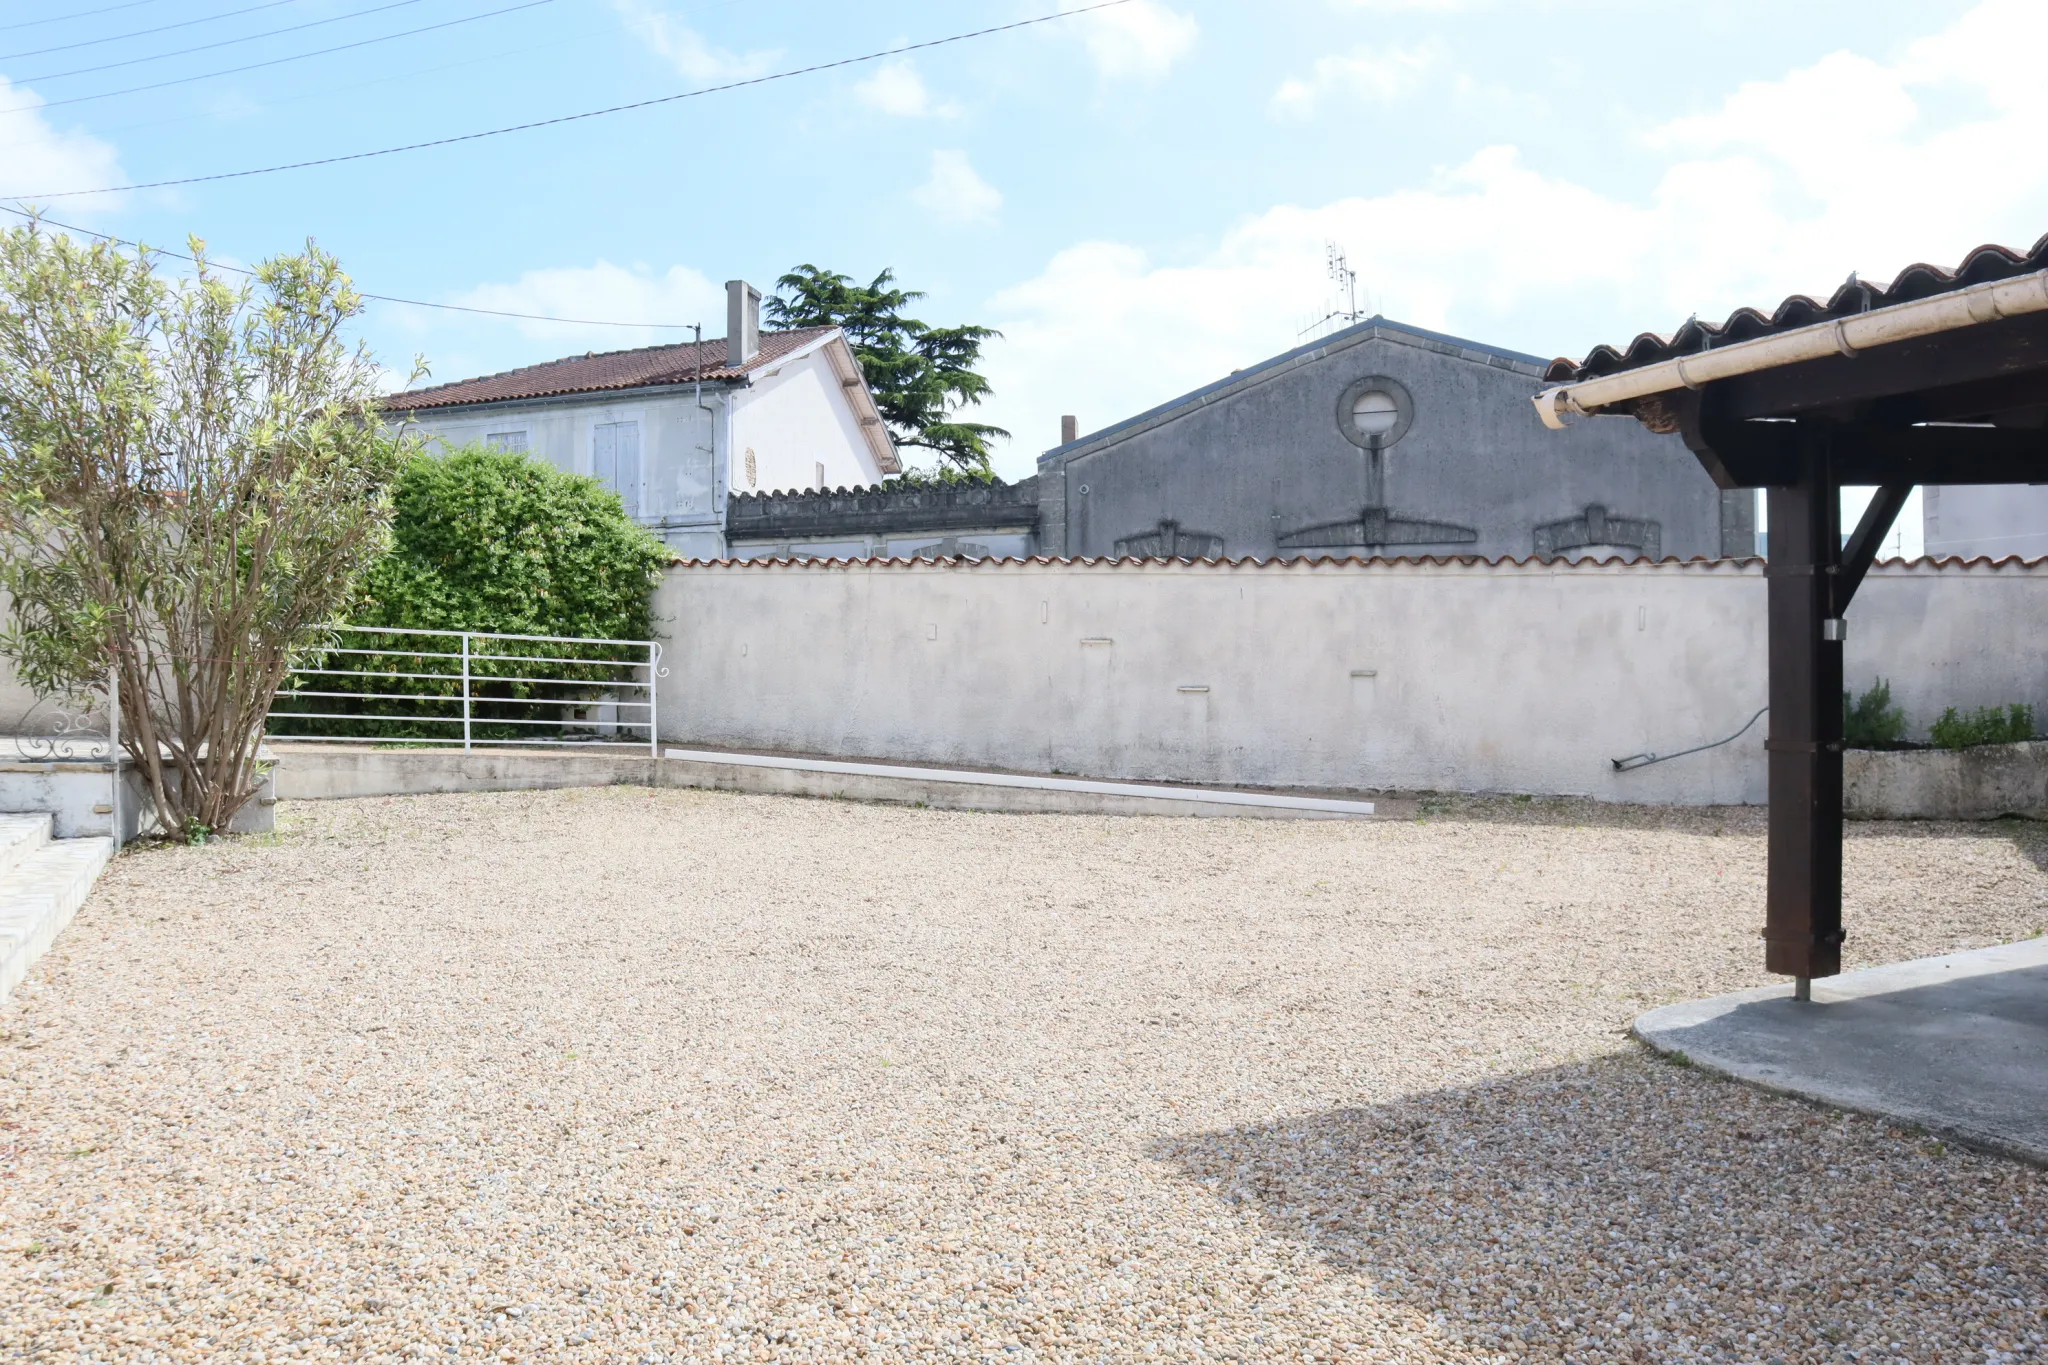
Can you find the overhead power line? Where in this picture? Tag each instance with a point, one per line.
(81, 14)
(380, 298)
(279, 61)
(145, 32)
(587, 114)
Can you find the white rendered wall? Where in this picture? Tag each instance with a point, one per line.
(1521, 678)
(795, 419)
(1994, 520)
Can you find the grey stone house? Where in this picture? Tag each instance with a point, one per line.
(1380, 439)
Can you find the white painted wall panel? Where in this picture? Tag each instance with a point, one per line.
(1994, 520)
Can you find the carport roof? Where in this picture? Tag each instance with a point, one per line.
(1981, 266)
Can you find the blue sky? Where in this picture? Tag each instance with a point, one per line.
(1140, 198)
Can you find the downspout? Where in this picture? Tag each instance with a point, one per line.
(719, 481)
(1845, 336)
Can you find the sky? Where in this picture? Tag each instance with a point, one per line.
(1141, 198)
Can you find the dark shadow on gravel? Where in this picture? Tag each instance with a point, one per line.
(1631, 1209)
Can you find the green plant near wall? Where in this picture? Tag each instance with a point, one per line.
(1985, 725)
(492, 540)
(1871, 721)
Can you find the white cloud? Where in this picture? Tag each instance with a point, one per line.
(686, 49)
(1787, 186)
(897, 88)
(1140, 40)
(955, 192)
(42, 159)
(602, 291)
(1363, 73)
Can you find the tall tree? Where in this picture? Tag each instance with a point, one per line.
(922, 376)
(192, 477)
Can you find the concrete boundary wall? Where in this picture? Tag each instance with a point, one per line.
(1407, 675)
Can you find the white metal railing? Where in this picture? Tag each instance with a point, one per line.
(472, 687)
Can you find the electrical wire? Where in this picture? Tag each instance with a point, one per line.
(145, 32)
(82, 14)
(554, 44)
(280, 61)
(380, 298)
(575, 118)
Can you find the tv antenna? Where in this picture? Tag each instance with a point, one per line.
(1338, 267)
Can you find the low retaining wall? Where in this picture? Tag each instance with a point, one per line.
(78, 796)
(1939, 784)
(317, 773)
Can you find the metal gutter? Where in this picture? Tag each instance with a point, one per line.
(1947, 312)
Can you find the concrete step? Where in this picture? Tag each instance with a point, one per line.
(21, 835)
(38, 896)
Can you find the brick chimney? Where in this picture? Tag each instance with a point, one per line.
(742, 322)
(1069, 430)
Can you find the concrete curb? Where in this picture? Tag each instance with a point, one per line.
(1900, 1042)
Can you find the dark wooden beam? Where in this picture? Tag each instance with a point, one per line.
(1861, 550)
(2005, 348)
(1757, 454)
(2022, 397)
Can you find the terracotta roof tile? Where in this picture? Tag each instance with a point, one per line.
(1854, 296)
(605, 371)
(1697, 563)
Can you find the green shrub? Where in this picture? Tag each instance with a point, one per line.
(1985, 725)
(490, 540)
(1872, 722)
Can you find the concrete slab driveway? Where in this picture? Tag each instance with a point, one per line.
(1957, 1044)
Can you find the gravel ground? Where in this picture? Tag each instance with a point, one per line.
(624, 1075)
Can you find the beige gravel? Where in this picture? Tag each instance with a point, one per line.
(625, 1075)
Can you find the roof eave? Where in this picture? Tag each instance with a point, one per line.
(1946, 312)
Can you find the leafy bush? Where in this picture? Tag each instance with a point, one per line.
(494, 540)
(491, 540)
(1985, 725)
(1872, 722)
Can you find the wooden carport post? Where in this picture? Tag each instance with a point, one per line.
(1811, 577)
(1803, 915)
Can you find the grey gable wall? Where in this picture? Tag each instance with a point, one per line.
(1261, 455)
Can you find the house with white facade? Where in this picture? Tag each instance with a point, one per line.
(677, 429)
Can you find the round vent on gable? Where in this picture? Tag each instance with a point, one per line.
(1374, 412)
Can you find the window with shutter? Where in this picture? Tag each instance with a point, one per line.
(615, 460)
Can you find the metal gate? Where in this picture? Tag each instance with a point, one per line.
(443, 688)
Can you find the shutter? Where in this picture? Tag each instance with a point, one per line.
(629, 466)
(615, 461)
